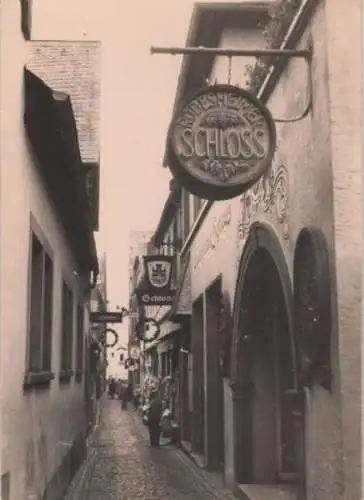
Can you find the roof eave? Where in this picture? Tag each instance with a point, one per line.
(170, 208)
(58, 159)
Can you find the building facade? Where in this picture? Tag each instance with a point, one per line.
(139, 245)
(159, 331)
(96, 356)
(48, 265)
(276, 272)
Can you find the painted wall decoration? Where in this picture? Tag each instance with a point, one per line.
(269, 195)
(221, 142)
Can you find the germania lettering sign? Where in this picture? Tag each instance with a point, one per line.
(152, 299)
(221, 142)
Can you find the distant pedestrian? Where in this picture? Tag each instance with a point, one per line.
(112, 388)
(123, 394)
(129, 393)
(126, 396)
(154, 417)
(118, 388)
(136, 398)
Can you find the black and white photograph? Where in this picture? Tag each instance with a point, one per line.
(181, 249)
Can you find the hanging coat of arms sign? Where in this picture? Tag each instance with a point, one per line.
(156, 288)
(158, 270)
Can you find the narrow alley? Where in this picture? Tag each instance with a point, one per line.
(181, 220)
(122, 466)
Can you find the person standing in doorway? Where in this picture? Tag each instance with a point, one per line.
(154, 417)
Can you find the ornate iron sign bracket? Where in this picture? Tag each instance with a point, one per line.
(218, 51)
(305, 54)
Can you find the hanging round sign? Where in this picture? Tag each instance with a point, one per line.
(147, 323)
(116, 337)
(221, 142)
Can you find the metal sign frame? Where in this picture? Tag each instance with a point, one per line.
(106, 317)
(221, 175)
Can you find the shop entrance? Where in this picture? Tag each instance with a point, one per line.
(264, 366)
(198, 424)
(214, 381)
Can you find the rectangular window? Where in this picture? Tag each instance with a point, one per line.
(80, 339)
(41, 309)
(67, 330)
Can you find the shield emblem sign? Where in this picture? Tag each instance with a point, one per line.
(134, 352)
(159, 272)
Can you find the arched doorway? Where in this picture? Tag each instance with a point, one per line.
(264, 368)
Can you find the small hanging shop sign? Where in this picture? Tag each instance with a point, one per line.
(134, 352)
(221, 142)
(155, 289)
(106, 317)
(131, 364)
(153, 299)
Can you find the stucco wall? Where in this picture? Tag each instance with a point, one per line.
(345, 81)
(309, 194)
(38, 426)
(306, 150)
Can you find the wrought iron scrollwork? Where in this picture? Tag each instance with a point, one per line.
(144, 326)
(269, 195)
(116, 338)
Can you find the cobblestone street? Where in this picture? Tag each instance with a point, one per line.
(122, 466)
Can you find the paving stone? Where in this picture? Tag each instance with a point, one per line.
(126, 468)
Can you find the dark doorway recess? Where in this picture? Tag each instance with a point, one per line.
(214, 379)
(197, 340)
(264, 366)
(312, 307)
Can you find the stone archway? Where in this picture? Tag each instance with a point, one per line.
(264, 364)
